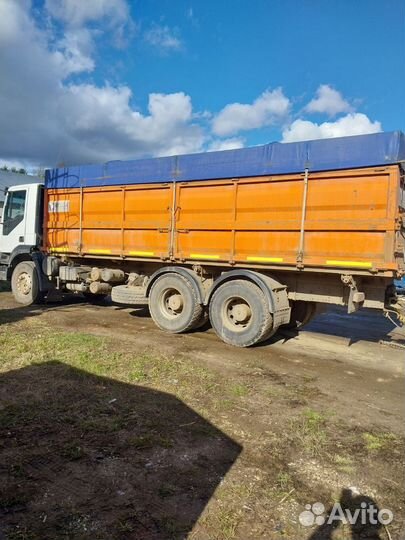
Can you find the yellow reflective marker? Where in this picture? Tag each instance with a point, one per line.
(100, 251)
(203, 256)
(59, 249)
(356, 264)
(265, 259)
(142, 253)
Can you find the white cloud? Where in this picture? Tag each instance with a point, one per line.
(226, 144)
(267, 109)
(163, 38)
(80, 16)
(81, 12)
(47, 120)
(75, 51)
(351, 124)
(328, 101)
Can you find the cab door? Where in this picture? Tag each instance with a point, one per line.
(13, 222)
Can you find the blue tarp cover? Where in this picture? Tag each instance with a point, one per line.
(274, 158)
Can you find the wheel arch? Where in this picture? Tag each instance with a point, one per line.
(184, 272)
(24, 254)
(265, 283)
(19, 254)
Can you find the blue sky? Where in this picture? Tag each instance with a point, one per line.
(115, 79)
(233, 54)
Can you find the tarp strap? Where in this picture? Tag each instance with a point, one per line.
(300, 254)
(81, 221)
(173, 219)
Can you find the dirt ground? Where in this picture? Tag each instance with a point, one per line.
(111, 429)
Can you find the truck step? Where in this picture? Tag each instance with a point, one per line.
(3, 273)
(131, 295)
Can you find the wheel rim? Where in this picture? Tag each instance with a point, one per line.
(171, 303)
(236, 314)
(24, 283)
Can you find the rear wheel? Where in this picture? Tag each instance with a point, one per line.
(174, 305)
(25, 284)
(239, 313)
(301, 314)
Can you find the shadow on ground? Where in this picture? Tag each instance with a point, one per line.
(364, 325)
(86, 457)
(362, 515)
(19, 312)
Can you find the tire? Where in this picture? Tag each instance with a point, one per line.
(239, 313)
(203, 321)
(129, 295)
(301, 313)
(25, 284)
(174, 304)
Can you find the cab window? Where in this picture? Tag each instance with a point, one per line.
(14, 210)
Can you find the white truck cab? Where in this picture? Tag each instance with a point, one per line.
(21, 232)
(21, 222)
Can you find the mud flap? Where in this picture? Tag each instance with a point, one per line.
(43, 281)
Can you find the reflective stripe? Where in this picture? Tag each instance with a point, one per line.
(142, 253)
(100, 251)
(203, 256)
(265, 259)
(358, 264)
(59, 249)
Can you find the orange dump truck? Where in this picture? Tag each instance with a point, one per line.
(252, 239)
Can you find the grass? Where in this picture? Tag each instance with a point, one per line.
(239, 390)
(284, 481)
(276, 435)
(72, 452)
(96, 356)
(310, 431)
(224, 521)
(125, 526)
(344, 464)
(228, 519)
(375, 442)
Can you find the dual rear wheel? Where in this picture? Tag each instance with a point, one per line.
(238, 310)
(239, 313)
(174, 304)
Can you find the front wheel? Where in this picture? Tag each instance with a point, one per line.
(240, 314)
(25, 284)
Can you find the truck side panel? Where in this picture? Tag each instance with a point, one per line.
(131, 222)
(350, 220)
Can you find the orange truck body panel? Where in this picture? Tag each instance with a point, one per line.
(351, 221)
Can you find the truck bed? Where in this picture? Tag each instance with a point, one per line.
(344, 219)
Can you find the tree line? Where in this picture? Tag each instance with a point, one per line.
(13, 169)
